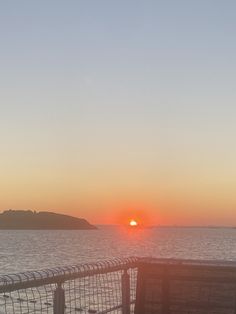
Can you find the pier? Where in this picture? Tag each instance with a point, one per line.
(123, 286)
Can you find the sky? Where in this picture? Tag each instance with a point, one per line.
(112, 109)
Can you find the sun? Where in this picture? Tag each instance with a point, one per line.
(133, 223)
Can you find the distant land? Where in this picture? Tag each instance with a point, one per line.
(32, 220)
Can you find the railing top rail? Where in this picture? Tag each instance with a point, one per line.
(28, 279)
(231, 265)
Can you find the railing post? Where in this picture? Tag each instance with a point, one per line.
(165, 291)
(125, 281)
(59, 300)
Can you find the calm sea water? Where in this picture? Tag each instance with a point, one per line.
(29, 250)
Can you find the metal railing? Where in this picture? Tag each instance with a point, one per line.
(163, 286)
(103, 287)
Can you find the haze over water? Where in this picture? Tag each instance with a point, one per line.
(33, 250)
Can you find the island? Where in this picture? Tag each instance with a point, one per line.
(32, 220)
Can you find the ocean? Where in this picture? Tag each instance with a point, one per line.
(22, 250)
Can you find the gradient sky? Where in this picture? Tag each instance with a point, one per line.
(113, 107)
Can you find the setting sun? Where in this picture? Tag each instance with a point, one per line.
(133, 223)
